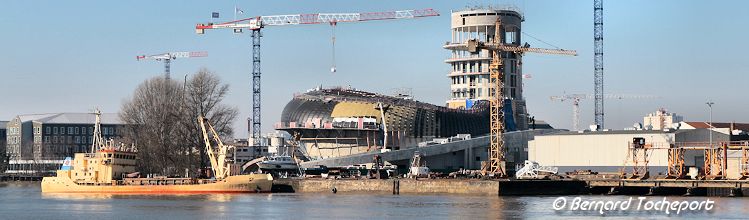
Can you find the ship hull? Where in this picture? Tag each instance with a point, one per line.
(252, 183)
(278, 166)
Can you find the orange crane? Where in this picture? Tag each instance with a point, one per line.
(255, 24)
(168, 57)
(497, 47)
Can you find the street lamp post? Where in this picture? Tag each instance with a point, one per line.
(710, 106)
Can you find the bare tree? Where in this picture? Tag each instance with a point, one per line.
(162, 115)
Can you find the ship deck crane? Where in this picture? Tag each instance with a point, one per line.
(218, 162)
(169, 56)
(576, 98)
(495, 166)
(255, 24)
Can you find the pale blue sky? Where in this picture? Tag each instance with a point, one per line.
(70, 56)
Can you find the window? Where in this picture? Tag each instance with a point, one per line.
(513, 66)
(77, 130)
(77, 139)
(70, 130)
(49, 130)
(55, 139)
(62, 130)
(54, 130)
(513, 81)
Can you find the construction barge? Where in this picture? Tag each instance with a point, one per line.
(479, 187)
(111, 169)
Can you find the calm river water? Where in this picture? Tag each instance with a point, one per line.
(25, 201)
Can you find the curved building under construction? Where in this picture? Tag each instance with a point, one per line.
(337, 122)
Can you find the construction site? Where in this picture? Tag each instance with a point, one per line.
(481, 140)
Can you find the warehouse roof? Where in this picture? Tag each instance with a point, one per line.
(71, 118)
(610, 132)
(700, 124)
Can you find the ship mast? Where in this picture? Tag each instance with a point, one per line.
(98, 140)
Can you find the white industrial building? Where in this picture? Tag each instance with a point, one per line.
(606, 151)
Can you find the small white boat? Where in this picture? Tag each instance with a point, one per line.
(274, 163)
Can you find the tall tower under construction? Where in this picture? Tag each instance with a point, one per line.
(469, 72)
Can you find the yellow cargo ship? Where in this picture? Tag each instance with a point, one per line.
(112, 170)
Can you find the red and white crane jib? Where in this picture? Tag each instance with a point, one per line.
(319, 18)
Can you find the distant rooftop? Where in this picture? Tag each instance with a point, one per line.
(610, 132)
(72, 118)
(700, 124)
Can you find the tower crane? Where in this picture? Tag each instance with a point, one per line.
(598, 61)
(255, 24)
(496, 163)
(576, 98)
(169, 56)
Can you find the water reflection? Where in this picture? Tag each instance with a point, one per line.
(21, 201)
(77, 196)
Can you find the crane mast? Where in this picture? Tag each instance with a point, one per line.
(169, 56)
(497, 117)
(598, 61)
(255, 24)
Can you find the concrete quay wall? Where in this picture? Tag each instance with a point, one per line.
(465, 187)
(430, 186)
